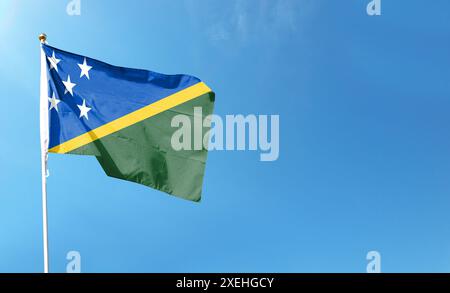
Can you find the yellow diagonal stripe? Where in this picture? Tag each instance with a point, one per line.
(162, 105)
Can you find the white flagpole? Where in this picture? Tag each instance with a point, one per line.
(44, 146)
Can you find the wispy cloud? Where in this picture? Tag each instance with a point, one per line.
(243, 20)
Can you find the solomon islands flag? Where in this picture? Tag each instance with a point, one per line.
(123, 117)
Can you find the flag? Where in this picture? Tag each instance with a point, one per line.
(123, 117)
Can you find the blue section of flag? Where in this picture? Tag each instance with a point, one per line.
(101, 94)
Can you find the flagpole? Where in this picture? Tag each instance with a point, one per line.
(44, 147)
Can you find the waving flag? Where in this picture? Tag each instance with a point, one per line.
(123, 117)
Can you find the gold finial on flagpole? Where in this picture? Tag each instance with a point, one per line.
(42, 38)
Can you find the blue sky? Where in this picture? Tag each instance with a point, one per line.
(364, 138)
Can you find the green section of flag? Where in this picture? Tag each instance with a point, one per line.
(143, 152)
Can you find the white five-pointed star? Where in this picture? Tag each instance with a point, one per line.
(84, 110)
(54, 62)
(84, 69)
(69, 85)
(54, 102)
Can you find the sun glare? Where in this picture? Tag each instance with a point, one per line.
(7, 11)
